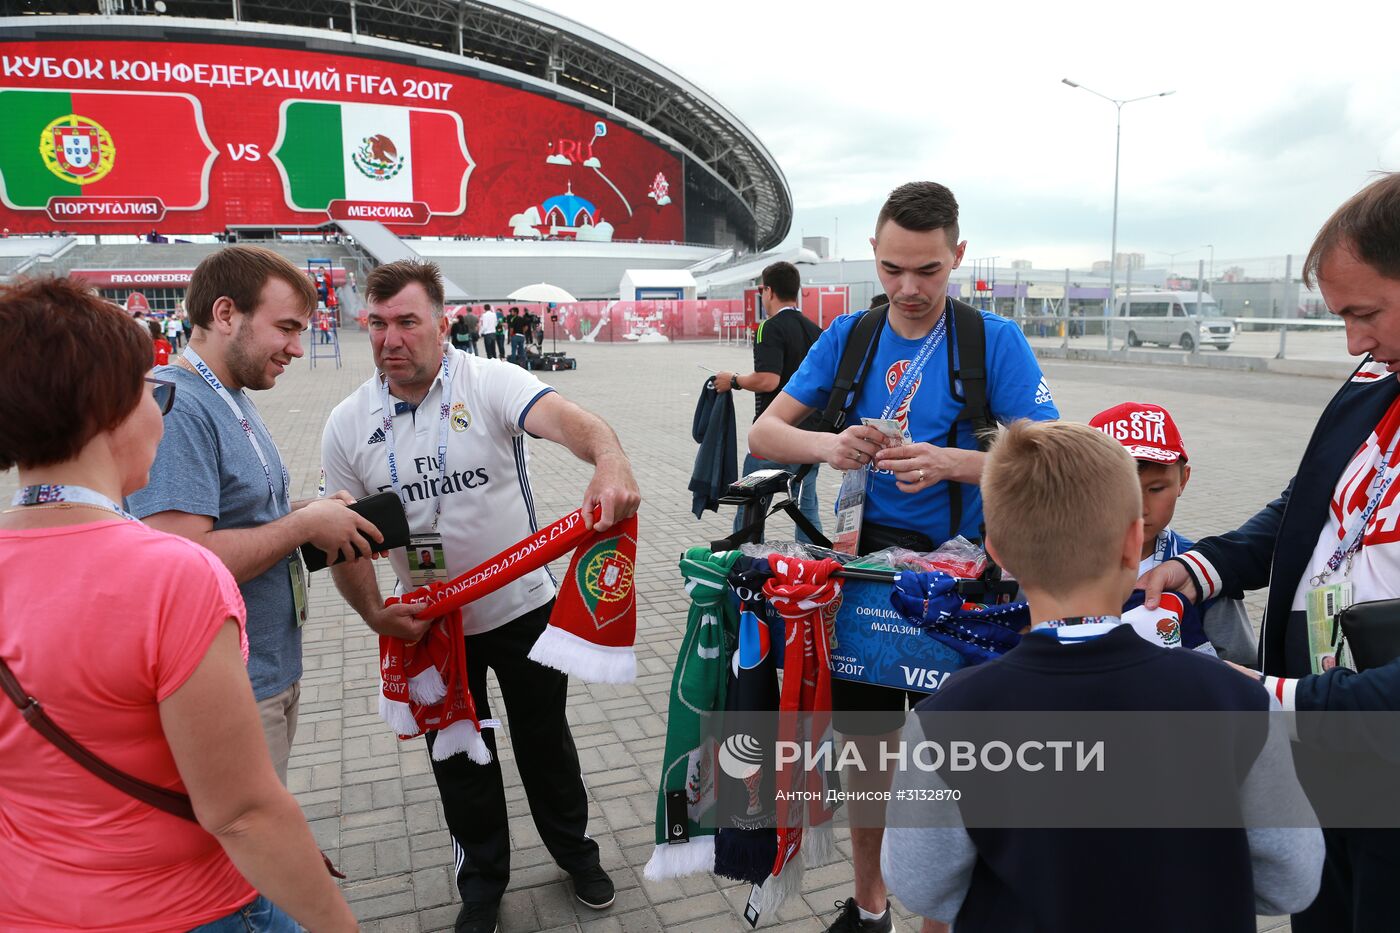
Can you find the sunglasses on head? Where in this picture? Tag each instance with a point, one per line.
(164, 392)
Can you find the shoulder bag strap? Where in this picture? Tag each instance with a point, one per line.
(164, 799)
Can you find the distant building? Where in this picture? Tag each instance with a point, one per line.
(1262, 298)
(1100, 268)
(818, 244)
(1125, 261)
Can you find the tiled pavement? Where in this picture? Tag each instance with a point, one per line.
(371, 799)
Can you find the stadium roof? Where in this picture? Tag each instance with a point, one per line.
(531, 41)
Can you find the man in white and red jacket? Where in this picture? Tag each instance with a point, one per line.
(1336, 522)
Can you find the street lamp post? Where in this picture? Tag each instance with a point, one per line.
(1211, 247)
(1171, 259)
(1117, 148)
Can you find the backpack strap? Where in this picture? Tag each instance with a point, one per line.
(859, 350)
(860, 347)
(967, 363)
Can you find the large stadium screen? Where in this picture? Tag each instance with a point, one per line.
(121, 137)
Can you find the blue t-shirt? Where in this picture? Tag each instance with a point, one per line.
(205, 466)
(1016, 389)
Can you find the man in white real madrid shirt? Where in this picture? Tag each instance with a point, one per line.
(455, 452)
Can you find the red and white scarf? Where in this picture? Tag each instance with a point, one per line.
(590, 635)
(807, 594)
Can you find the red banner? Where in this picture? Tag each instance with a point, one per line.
(126, 136)
(162, 278)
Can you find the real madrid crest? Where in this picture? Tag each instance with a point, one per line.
(77, 149)
(461, 418)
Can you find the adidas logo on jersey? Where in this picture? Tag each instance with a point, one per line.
(1042, 393)
(377, 437)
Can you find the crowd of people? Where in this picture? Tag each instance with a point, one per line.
(516, 336)
(158, 800)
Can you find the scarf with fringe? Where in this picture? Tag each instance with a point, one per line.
(807, 595)
(698, 690)
(590, 634)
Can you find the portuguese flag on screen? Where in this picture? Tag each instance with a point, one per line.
(102, 144)
(372, 152)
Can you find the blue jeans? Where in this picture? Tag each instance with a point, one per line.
(259, 916)
(806, 497)
(517, 349)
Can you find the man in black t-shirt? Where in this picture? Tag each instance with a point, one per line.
(518, 325)
(782, 342)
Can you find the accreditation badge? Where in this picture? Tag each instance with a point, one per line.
(299, 595)
(427, 563)
(1326, 647)
(850, 510)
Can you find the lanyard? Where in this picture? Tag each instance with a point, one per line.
(1077, 620)
(916, 365)
(444, 412)
(203, 369)
(60, 492)
(1077, 629)
(1159, 555)
(1351, 542)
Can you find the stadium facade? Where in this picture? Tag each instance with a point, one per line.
(435, 118)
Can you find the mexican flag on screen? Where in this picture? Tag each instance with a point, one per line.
(102, 144)
(372, 152)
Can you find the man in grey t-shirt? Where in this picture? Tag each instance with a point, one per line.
(225, 487)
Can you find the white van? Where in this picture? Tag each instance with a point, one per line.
(1171, 320)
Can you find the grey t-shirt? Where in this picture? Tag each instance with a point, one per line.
(206, 466)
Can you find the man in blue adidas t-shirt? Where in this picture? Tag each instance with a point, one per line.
(910, 498)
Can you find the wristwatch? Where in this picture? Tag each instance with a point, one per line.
(734, 381)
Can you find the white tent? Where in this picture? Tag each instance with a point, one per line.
(638, 284)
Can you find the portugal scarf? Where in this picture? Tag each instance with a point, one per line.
(685, 803)
(590, 634)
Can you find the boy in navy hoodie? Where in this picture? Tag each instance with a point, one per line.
(1063, 512)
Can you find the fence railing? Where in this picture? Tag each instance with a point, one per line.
(1191, 335)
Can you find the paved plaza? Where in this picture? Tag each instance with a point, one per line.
(371, 799)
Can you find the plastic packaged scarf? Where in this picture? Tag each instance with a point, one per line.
(807, 595)
(930, 601)
(590, 634)
(685, 842)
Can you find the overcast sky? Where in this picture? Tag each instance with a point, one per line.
(1278, 116)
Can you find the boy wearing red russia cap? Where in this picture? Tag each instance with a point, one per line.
(1150, 435)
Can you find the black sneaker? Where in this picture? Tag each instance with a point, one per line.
(594, 888)
(477, 918)
(849, 921)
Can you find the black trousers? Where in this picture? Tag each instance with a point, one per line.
(1359, 893)
(473, 795)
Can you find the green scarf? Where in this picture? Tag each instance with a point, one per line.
(697, 690)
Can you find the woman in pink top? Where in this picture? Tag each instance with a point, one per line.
(133, 642)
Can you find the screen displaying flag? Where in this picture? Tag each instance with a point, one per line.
(372, 152)
(103, 144)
